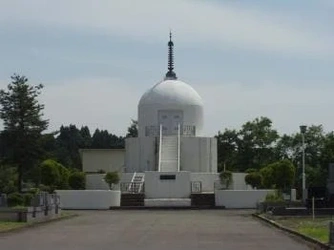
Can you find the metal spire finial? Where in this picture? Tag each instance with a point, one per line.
(170, 74)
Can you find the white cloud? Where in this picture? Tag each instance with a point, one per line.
(193, 21)
(111, 104)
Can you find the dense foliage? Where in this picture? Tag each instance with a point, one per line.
(225, 178)
(8, 179)
(66, 144)
(279, 175)
(19, 199)
(77, 180)
(254, 179)
(111, 178)
(257, 144)
(133, 129)
(23, 124)
(29, 157)
(54, 175)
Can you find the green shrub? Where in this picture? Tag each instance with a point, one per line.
(283, 174)
(34, 191)
(27, 197)
(274, 197)
(254, 179)
(279, 175)
(77, 180)
(226, 178)
(49, 173)
(111, 178)
(267, 177)
(64, 175)
(44, 188)
(15, 199)
(54, 175)
(8, 179)
(250, 170)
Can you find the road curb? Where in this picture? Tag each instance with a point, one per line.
(300, 236)
(167, 208)
(37, 224)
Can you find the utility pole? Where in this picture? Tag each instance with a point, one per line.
(303, 131)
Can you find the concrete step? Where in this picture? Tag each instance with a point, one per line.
(132, 200)
(203, 200)
(169, 153)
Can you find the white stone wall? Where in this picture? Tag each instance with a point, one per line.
(89, 199)
(240, 198)
(105, 159)
(141, 154)
(207, 180)
(126, 177)
(156, 188)
(96, 181)
(199, 154)
(239, 183)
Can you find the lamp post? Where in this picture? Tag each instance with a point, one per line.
(303, 131)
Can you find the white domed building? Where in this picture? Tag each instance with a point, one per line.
(170, 130)
(171, 159)
(170, 163)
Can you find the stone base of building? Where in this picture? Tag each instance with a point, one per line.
(167, 202)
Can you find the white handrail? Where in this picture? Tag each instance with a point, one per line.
(160, 146)
(141, 184)
(133, 177)
(178, 146)
(132, 180)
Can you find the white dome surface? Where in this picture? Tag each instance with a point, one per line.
(171, 92)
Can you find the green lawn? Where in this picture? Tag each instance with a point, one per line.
(8, 226)
(5, 226)
(317, 228)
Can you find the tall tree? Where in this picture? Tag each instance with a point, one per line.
(68, 142)
(133, 129)
(257, 139)
(318, 154)
(227, 144)
(23, 124)
(86, 137)
(103, 139)
(250, 147)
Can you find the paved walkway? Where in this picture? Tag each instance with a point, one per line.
(158, 230)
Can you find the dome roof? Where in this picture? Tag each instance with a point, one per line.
(171, 92)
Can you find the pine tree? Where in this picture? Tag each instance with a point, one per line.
(23, 123)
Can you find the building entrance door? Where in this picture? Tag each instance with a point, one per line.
(170, 119)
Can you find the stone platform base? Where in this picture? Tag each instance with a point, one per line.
(169, 202)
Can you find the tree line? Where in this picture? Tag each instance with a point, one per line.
(26, 150)
(256, 147)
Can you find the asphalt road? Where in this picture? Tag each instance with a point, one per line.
(158, 230)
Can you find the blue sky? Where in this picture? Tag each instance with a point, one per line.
(245, 58)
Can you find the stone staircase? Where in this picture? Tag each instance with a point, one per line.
(169, 154)
(137, 183)
(132, 200)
